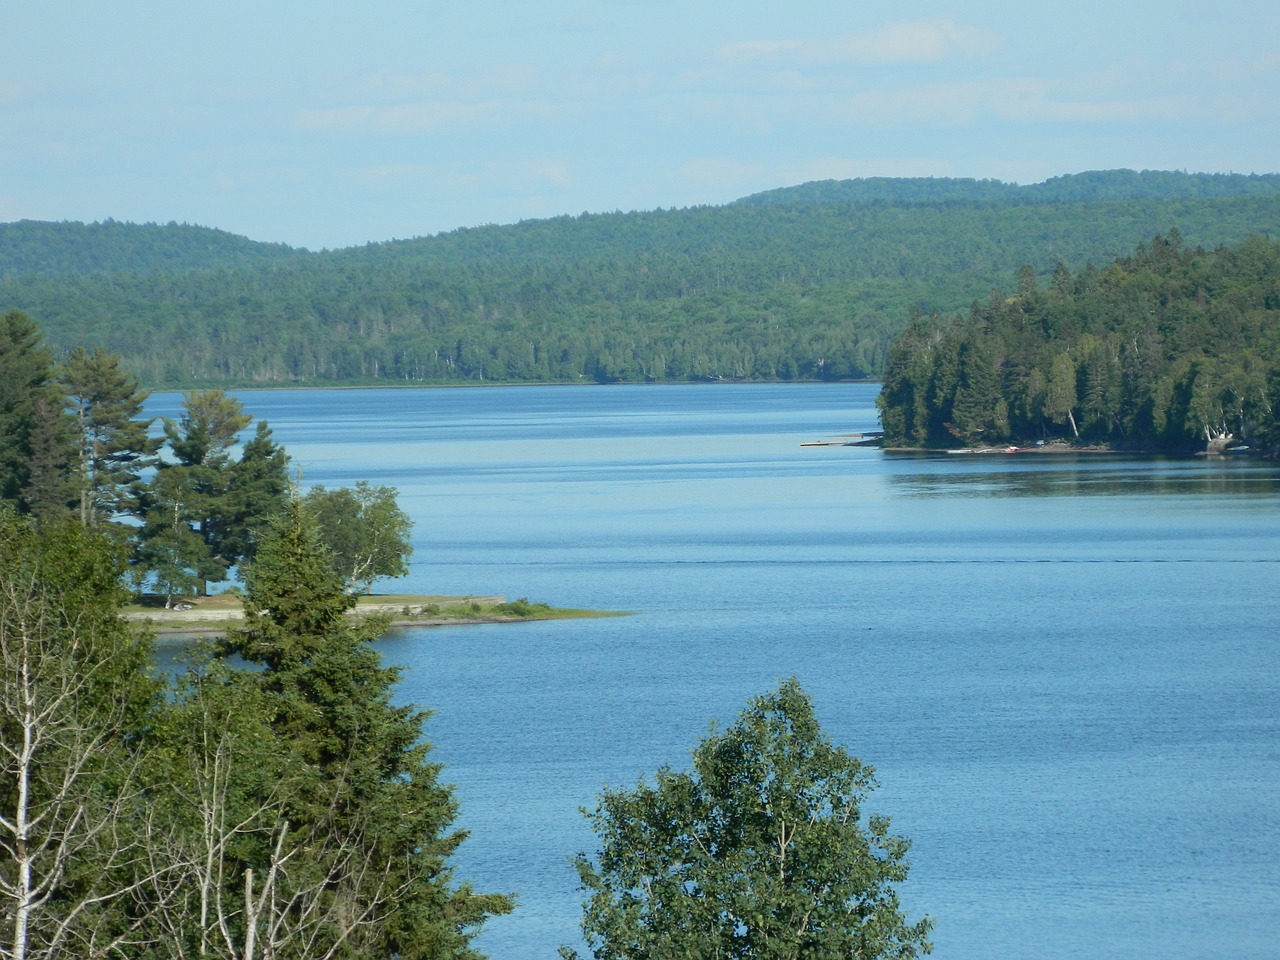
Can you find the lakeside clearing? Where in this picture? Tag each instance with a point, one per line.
(212, 615)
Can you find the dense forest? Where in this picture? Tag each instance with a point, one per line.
(1172, 347)
(810, 282)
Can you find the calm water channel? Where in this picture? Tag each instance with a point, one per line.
(1065, 670)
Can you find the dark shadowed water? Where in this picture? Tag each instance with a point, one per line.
(1065, 670)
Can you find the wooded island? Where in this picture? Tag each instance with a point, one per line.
(1173, 348)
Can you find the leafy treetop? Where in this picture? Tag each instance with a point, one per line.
(761, 852)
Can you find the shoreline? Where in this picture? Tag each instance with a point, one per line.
(1059, 448)
(211, 616)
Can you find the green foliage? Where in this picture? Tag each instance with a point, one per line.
(293, 597)
(364, 772)
(169, 548)
(115, 447)
(365, 531)
(813, 284)
(257, 490)
(1163, 349)
(50, 249)
(37, 440)
(288, 810)
(204, 436)
(203, 513)
(522, 608)
(76, 710)
(763, 851)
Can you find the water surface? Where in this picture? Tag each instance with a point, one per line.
(1064, 669)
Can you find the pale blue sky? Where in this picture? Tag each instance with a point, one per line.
(325, 124)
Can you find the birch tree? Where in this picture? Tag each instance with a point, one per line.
(243, 883)
(364, 530)
(74, 824)
(762, 852)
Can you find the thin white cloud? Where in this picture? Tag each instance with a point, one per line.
(1019, 100)
(420, 118)
(400, 86)
(901, 43)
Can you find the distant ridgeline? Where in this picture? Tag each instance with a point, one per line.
(808, 282)
(1170, 348)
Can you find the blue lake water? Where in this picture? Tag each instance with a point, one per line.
(1065, 670)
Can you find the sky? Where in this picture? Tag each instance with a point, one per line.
(327, 124)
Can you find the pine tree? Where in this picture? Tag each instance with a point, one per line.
(204, 510)
(115, 446)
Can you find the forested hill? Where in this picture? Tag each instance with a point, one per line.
(1072, 188)
(810, 282)
(34, 247)
(1170, 348)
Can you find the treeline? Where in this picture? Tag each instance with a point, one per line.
(34, 247)
(1169, 348)
(812, 283)
(187, 504)
(1093, 185)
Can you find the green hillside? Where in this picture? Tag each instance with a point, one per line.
(1169, 348)
(34, 247)
(811, 282)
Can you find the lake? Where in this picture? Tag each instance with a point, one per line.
(1064, 668)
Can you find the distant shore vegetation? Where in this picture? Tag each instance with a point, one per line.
(1173, 348)
(806, 283)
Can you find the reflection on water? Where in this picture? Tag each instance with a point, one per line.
(1078, 475)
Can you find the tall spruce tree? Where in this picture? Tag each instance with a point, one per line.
(365, 773)
(257, 491)
(37, 445)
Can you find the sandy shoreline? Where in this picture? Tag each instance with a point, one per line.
(206, 620)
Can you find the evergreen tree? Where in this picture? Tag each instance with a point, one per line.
(204, 510)
(979, 413)
(51, 479)
(115, 446)
(37, 448)
(257, 491)
(364, 773)
(205, 434)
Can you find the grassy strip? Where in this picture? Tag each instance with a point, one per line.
(224, 611)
